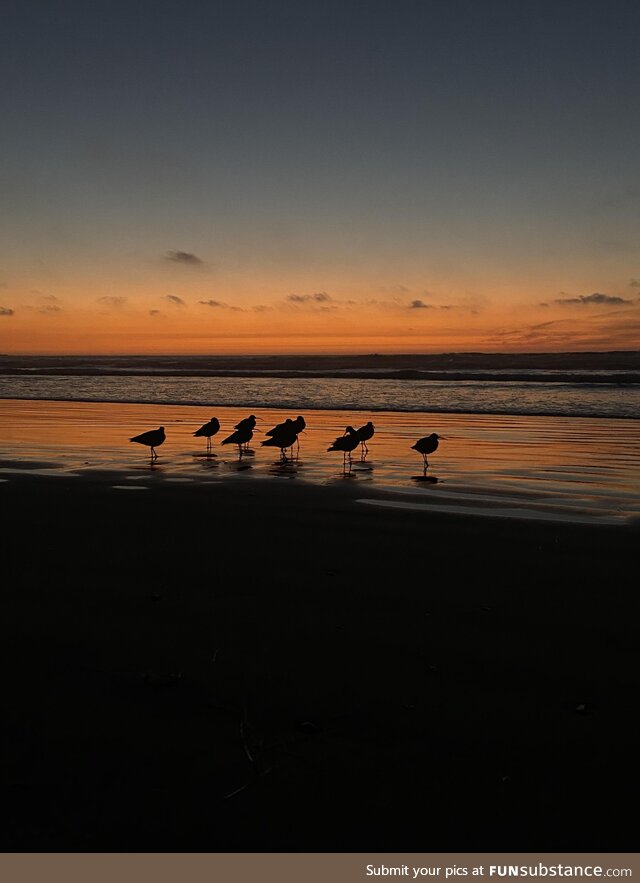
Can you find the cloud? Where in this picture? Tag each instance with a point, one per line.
(49, 308)
(5, 311)
(634, 283)
(183, 257)
(112, 301)
(548, 324)
(50, 298)
(419, 305)
(155, 313)
(320, 297)
(595, 298)
(220, 305)
(174, 299)
(261, 308)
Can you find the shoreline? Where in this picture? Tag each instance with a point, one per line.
(524, 467)
(285, 406)
(623, 378)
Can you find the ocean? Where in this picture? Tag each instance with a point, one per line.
(564, 385)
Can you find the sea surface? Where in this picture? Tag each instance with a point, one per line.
(602, 387)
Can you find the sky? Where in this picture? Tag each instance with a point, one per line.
(283, 177)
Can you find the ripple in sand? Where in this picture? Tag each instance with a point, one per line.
(504, 512)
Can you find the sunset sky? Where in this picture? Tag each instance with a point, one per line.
(251, 177)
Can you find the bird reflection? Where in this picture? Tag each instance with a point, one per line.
(287, 468)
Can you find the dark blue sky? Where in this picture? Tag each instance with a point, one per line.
(320, 140)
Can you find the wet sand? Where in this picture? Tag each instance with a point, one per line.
(534, 468)
(256, 664)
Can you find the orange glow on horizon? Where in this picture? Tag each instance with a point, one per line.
(388, 319)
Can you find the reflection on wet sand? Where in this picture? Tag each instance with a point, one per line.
(424, 479)
(586, 466)
(286, 468)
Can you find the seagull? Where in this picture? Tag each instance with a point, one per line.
(153, 439)
(364, 434)
(207, 430)
(346, 443)
(283, 436)
(427, 445)
(240, 437)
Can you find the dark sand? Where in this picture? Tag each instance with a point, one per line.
(271, 666)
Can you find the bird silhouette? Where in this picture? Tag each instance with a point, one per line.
(283, 436)
(240, 437)
(249, 423)
(346, 443)
(152, 439)
(425, 446)
(364, 434)
(298, 425)
(208, 430)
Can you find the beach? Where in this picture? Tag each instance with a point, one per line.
(245, 662)
(412, 225)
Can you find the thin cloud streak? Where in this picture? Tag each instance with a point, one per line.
(320, 297)
(218, 304)
(183, 257)
(596, 298)
(112, 301)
